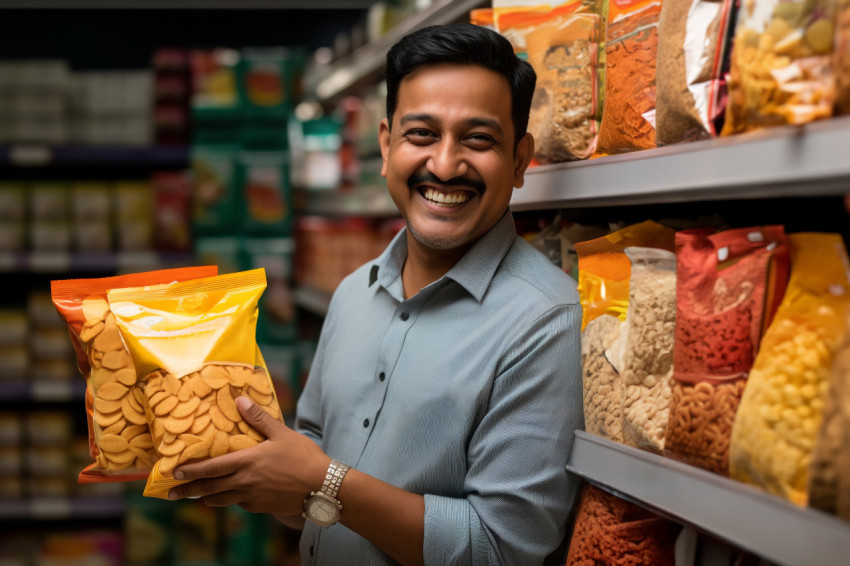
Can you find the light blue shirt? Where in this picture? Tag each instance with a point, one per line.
(467, 393)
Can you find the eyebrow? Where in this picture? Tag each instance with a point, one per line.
(469, 122)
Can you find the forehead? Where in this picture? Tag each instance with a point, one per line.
(447, 90)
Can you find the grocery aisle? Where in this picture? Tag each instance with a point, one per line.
(244, 137)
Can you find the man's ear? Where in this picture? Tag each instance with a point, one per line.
(384, 142)
(522, 159)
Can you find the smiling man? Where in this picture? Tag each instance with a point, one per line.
(440, 408)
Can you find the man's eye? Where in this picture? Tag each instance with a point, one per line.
(418, 133)
(480, 140)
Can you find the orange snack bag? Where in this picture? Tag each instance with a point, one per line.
(194, 348)
(119, 439)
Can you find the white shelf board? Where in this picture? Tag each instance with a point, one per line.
(369, 60)
(810, 160)
(737, 513)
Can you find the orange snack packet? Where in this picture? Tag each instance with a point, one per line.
(119, 438)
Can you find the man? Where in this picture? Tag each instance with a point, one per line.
(447, 374)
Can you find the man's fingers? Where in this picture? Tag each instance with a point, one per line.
(255, 416)
(212, 468)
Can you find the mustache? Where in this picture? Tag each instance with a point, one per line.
(428, 177)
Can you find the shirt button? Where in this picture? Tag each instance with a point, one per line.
(382, 376)
(404, 316)
(366, 423)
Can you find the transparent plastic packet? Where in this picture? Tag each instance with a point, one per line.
(566, 51)
(631, 48)
(729, 287)
(643, 353)
(195, 351)
(782, 65)
(119, 438)
(693, 61)
(778, 419)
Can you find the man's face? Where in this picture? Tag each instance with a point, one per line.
(449, 160)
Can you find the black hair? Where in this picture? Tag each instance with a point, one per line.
(464, 44)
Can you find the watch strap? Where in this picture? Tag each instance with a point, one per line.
(333, 478)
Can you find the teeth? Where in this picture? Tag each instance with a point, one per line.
(446, 198)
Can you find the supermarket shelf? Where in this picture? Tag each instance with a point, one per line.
(365, 65)
(373, 202)
(51, 508)
(313, 300)
(43, 390)
(39, 155)
(742, 515)
(808, 160)
(83, 262)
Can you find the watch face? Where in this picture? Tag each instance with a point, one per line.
(322, 510)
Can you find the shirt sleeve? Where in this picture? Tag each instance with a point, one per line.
(518, 492)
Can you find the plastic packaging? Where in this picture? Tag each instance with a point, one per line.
(194, 348)
(113, 399)
(781, 411)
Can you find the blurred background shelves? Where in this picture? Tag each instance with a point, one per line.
(89, 262)
(739, 514)
(365, 65)
(41, 155)
(42, 390)
(53, 508)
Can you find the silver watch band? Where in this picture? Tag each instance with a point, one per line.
(333, 478)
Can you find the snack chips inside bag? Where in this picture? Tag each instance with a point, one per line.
(119, 439)
(195, 351)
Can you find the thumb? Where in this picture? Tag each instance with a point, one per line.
(255, 416)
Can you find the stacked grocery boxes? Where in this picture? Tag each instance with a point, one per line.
(243, 203)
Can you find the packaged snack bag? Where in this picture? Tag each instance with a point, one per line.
(195, 351)
(631, 45)
(829, 481)
(604, 269)
(602, 386)
(119, 439)
(781, 411)
(729, 286)
(610, 530)
(693, 61)
(566, 50)
(646, 365)
(842, 58)
(781, 70)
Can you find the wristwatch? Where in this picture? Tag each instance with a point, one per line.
(322, 507)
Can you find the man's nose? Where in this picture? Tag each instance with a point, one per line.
(447, 161)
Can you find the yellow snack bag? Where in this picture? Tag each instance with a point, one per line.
(604, 269)
(194, 348)
(779, 417)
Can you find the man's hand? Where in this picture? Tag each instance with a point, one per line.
(272, 477)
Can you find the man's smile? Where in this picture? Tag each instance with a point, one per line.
(447, 199)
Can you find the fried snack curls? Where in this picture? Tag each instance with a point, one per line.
(120, 443)
(195, 351)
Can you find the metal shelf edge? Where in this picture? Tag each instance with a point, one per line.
(371, 58)
(805, 160)
(742, 515)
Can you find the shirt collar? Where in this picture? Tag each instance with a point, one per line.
(474, 271)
